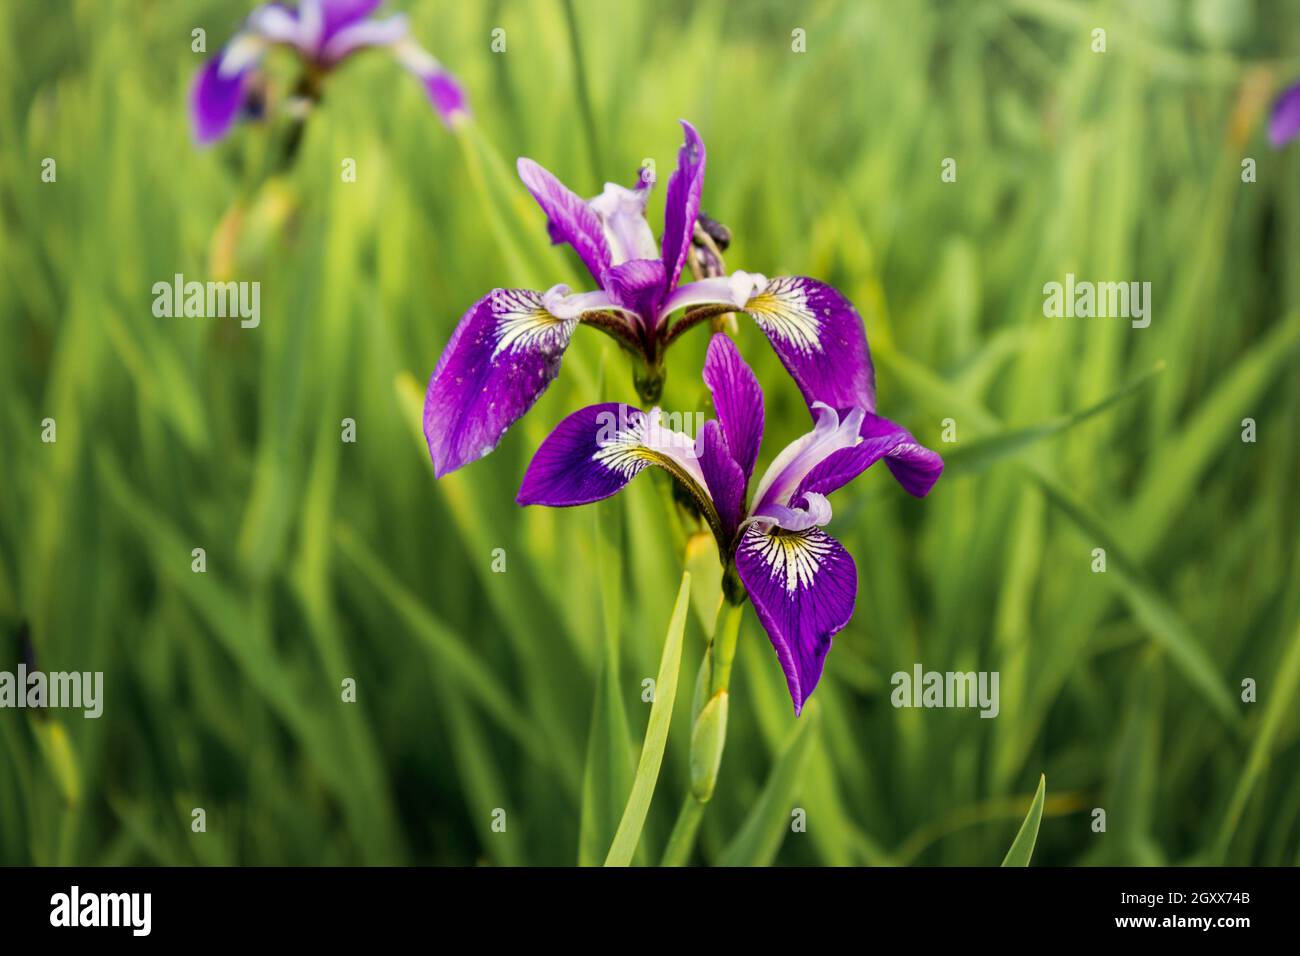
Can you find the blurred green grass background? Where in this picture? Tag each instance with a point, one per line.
(521, 690)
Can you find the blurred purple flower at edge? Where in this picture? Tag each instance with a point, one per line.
(1284, 125)
(324, 33)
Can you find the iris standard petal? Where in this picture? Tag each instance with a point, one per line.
(338, 15)
(803, 585)
(724, 480)
(568, 218)
(737, 400)
(277, 25)
(1284, 125)
(362, 35)
(637, 286)
(820, 340)
(915, 467)
(682, 204)
(621, 212)
(598, 449)
(502, 355)
(219, 89)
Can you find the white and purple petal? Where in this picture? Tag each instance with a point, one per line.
(737, 400)
(803, 585)
(503, 354)
(793, 464)
(568, 218)
(337, 15)
(621, 212)
(819, 338)
(682, 204)
(732, 291)
(597, 450)
(364, 34)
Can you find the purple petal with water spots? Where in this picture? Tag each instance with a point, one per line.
(215, 100)
(915, 467)
(723, 477)
(803, 586)
(568, 218)
(737, 399)
(820, 340)
(505, 351)
(1284, 125)
(682, 204)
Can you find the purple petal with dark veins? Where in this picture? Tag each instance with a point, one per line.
(737, 399)
(215, 100)
(820, 339)
(722, 476)
(568, 218)
(1284, 125)
(505, 351)
(682, 204)
(803, 585)
(597, 450)
(590, 455)
(638, 286)
(916, 467)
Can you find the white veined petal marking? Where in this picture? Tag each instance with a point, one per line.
(625, 451)
(522, 323)
(781, 310)
(795, 555)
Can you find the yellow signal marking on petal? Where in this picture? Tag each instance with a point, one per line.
(795, 555)
(523, 324)
(782, 310)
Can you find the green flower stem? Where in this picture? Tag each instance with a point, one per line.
(709, 734)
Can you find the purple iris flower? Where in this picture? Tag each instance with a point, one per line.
(801, 580)
(324, 32)
(1284, 125)
(508, 346)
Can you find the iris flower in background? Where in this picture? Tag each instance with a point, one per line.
(324, 33)
(507, 348)
(801, 580)
(1284, 125)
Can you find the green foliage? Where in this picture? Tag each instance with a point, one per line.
(499, 652)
